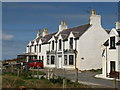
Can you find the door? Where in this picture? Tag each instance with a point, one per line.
(59, 62)
(112, 65)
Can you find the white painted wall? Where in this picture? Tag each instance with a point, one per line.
(90, 48)
(112, 55)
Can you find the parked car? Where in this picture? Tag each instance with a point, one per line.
(36, 63)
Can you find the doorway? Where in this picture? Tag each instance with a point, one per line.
(112, 65)
(59, 61)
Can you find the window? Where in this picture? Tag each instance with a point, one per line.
(71, 43)
(71, 59)
(112, 65)
(60, 44)
(30, 49)
(35, 48)
(35, 57)
(52, 45)
(40, 48)
(39, 58)
(52, 59)
(42, 57)
(65, 59)
(112, 42)
(48, 59)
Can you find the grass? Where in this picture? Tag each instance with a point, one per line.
(11, 80)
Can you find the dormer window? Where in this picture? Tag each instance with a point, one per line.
(71, 43)
(60, 44)
(112, 43)
(52, 45)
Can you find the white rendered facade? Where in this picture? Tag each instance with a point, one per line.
(58, 51)
(111, 53)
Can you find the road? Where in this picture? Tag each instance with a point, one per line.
(86, 77)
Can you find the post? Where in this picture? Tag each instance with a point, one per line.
(76, 75)
(114, 83)
(51, 73)
(12, 68)
(48, 74)
(64, 80)
(76, 69)
(33, 71)
(37, 71)
(18, 72)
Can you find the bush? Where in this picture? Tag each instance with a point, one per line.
(26, 75)
(58, 80)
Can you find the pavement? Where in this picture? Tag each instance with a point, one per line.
(86, 77)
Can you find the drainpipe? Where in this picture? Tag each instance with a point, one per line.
(37, 50)
(56, 55)
(106, 62)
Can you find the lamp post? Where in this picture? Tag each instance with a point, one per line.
(76, 69)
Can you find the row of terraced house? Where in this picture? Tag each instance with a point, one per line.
(88, 46)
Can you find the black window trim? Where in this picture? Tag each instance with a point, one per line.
(111, 47)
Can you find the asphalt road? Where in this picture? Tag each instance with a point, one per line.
(86, 77)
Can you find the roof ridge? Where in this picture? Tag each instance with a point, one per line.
(76, 26)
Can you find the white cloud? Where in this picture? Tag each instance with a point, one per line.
(5, 36)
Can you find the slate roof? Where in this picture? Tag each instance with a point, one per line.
(46, 38)
(77, 31)
(37, 40)
(108, 31)
(106, 43)
(118, 43)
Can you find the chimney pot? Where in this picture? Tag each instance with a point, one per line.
(93, 12)
(45, 32)
(62, 25)
(117, 25)
(39, 33)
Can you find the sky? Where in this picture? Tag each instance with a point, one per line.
(21, 20)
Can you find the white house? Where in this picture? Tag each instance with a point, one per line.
(111, 53)
(70, 47)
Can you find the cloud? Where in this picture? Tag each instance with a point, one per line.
(5, 36)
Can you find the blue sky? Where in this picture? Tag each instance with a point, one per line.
(20, 21)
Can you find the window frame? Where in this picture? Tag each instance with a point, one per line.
(52, 59)
(48, 59)
(39, 47)
(71, 43)
(65, 60)
(60, 44)
(53, 45)
(35, 48)
(112, 43)
(72, 60)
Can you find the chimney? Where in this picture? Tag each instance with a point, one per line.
(39, 33)
(63, 25)
(45, 32)
(117, 25)
(95, 19)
